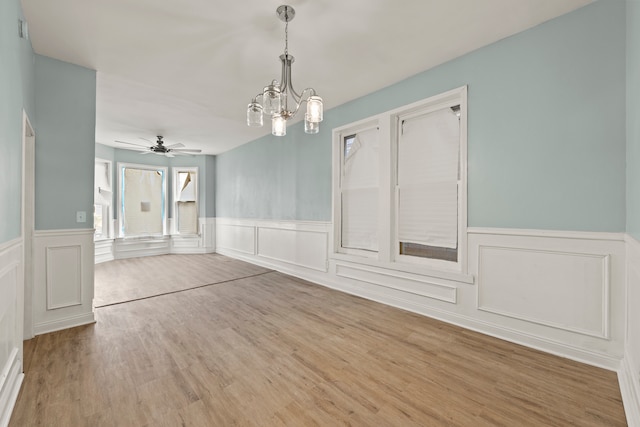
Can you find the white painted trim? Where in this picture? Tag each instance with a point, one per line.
(54, 304)
(11, 245)
(63, 233)
(50, 282)
(630, 391)
(11, 379)
(387, 277)
(560, 234)
(64, 323)
(604, 322)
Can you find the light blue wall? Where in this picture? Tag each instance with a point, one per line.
(546, 133)
(65, 143)
(633, 118)
(16, 94)
(277, 178)
(204, 163)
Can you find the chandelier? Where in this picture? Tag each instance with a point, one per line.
(279, 100)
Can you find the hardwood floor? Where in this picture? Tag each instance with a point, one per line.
(273, 350)
(137, 278)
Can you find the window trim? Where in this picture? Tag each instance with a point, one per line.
(426, 106)
(123, 165)
(388, 255)
(107, 216)
(339, 136)
(175, 170)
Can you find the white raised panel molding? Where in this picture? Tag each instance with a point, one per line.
(298, 248)
(236, 237)
(63, 279)
(11, 326)
(408, 283)
(294, 246)
(104, 250)
(64, 284)
(562, 290)
(629, 373)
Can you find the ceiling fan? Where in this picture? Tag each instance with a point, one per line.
(161, 149)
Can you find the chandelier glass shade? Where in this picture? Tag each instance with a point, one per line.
(279, 100)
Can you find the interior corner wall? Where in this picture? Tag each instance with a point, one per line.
(17, 89)
(546, 147)
(65, 144)
(633, 118)
(631, 367)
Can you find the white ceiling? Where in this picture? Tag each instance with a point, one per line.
(187, 69)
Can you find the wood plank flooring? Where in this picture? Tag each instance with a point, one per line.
(273, 350)
(137, 278)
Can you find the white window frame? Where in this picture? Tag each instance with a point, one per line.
(339, 136)
(107, 193)
(388, 255)
(421, 108)
(165, 170)
(176, 197)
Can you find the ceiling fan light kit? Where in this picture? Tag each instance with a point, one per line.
(163, 150)
(279, 100)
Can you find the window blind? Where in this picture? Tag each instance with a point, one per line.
(428, 171)
(142, 201)
(360, 182)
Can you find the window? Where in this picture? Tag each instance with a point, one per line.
(427, 182)
(400, 186)
(102, 195)
(359, 188)
(142, 200)
(185, 195)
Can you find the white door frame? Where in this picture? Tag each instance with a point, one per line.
(25, 310)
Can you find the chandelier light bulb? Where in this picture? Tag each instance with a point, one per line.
(278, 125)
(314, 109)
(309, 126)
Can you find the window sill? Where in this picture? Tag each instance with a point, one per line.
(452, 275)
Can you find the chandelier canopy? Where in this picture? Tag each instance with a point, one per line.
(279, 100)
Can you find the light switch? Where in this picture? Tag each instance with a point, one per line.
(81, 216)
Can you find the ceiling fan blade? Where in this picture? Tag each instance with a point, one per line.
(148, 140)
(176, 145)
(186, 150)
(131, 143)
(145, 152)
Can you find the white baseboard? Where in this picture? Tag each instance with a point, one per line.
(11, 378)
(630, 390)
(64, 323)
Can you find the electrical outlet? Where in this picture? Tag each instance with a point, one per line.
(81, 216)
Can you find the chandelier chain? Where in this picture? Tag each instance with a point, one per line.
(286, 38)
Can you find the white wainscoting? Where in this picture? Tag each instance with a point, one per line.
(11, 312)
(121, 248)
(560, 292)
(298, 248)
(203, 243)
(63, 279)
(629, 374)
(563, 292)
